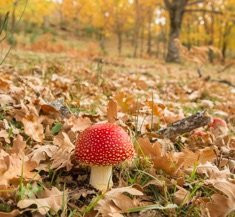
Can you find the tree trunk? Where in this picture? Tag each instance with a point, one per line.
(176, 13)
(13, 22)
(142, 42)
(136, 30)
(119, 34)
(149, 32)
(224, 48)
(102, 41)
(227, 32)
(211, 42)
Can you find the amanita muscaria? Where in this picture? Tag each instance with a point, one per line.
(102, 146)
(218, 127)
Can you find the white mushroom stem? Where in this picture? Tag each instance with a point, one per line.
(101, 177)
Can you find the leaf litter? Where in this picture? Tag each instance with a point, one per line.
(42, 114)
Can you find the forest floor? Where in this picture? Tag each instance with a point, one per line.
(48, 98)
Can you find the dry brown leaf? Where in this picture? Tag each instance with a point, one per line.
(150, 150)
(77, 124)
(42, 152)
(157, 108)
(181, 197)
(4, 134)
(170, 117)
(112, 111)
(199, 156)
(4, 84)
(18, 145)
(62, 157)
(13, 213)
(212, 173)
(167, 162)
(14, 170)
(3, 165)
(125, 103)
(47, 109)
(6, 99)
(115, 202)
(33, 127)
(221, 205)
(47, 201)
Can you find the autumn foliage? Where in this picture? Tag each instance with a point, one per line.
(44, 108)
(141, 25)
(61, 77)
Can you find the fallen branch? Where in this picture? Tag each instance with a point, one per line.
(225, 67)
(224, 81)
(185, 125)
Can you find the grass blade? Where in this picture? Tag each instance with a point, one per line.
(150, 207)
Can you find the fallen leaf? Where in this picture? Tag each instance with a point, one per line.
(42, 152)
(47, 201)
(181, 197)
(62, 157)
(13, 213)
(167, 162)
(115, 202)
(6, 99)
(18, 145)
(14, 170)
(47, 109)
(198, 157)
(77, 124)
(33, 127)
(211, 173)
(112, 111)
(4, 134)
(221, 205)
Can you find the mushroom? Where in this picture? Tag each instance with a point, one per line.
(101, 146)
(218, 128)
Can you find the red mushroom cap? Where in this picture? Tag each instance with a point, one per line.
(103, 145)
(217, 122)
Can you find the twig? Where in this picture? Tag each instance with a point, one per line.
(225, 68)
(229, 83)
(188, 124)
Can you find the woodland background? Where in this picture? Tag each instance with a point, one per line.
(133, 28)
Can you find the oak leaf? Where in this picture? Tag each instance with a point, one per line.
(77, 124)
(167, 162)
(33, 127)
(222, 205)
(18, 145)
(212, 173)
(47, 201)
(42, 152)
(16, 167)
(62, 157)
(115, 202)
(199, 156)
